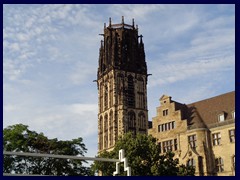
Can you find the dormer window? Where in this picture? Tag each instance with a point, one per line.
(221, 117)
(233, 114)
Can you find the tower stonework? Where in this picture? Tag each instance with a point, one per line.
(122, 84)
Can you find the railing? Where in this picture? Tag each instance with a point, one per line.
(121, 159)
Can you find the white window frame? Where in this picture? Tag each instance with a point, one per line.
(219, 164)
(191, 162)
(192, 140)
(221, 118)
(216, 139)
(232, 135)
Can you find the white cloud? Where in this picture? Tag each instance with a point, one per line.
(189, 70)
(82, 108)
(81, 73)
(196, 94)
(137, 11)
(62, 121)
(219, 22)
(9, 69)
(26, 56)
(14, 47)
(23, 36)
(10, 108)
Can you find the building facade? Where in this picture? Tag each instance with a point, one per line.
(201, 134)
(122, 84)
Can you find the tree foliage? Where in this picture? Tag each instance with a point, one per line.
(19, 138)
(144, 158)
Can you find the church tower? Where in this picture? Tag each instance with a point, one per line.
(122, 84)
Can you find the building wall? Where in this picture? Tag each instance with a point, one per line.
(113, 116)
(193, 143)
(225, 150)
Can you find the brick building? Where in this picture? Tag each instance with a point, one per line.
(201, 134)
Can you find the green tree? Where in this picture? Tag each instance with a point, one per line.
(144, 157)
(168, 166)
(106, 168)
(19, 138)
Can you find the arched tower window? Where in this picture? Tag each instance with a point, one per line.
(119, 88)
(111, 135)
(106, 97)
(131, 120)
(141, 85)
(108, 50)
(141, 120)
(126, 47)
(130, 92)
(105, 131)
(141, 99)
(101, 133)
(101, 98)
(111, 92)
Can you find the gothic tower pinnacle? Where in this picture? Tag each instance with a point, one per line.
(122, 84)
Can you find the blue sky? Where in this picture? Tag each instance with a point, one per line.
(50, 59)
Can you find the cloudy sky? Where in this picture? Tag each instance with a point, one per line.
(50, 59)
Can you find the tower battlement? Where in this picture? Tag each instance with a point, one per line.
(121, 48)
(121, 25)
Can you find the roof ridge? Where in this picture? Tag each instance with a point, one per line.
(211, 98)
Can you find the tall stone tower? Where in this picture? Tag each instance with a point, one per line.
(122, 84)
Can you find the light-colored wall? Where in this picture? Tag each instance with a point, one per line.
(226, 150)
(204, 145)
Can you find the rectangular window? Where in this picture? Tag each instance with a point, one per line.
(233, 162)
(219, 164)
(221, 118)
(165, 112)
(191, 162)
(192, 141)
(175, 144)
(232, 135)
(164, 146)
(160, 146)
(173, 124)
(167, 146)
(169, 126)
(216, 137)
(166, 127)
(170, 145)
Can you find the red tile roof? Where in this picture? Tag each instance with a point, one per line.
(205, 113)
